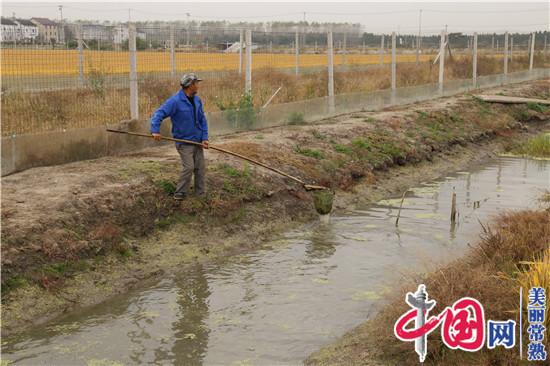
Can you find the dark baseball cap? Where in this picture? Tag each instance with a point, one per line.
(189, 78)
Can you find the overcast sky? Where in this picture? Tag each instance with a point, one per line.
(402, 17)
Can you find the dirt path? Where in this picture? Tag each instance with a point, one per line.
(76, 234)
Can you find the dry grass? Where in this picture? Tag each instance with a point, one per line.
(26, 112)
(16, 62)
(488, 274)
(536, 273)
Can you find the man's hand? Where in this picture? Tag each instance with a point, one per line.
(156, 136)
(205, 144)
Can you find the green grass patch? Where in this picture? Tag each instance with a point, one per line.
(13, 283)
(316, 154)
(126, 253)
(361, 143)
(57, 269)
(234, 172)
(538, 147)
(151, 168)
(230, 187)
(166, 185)
(423, 114)
(437, 129)
(343, 149)
(483, 105)
(163, 222)
(541, 108)
(391, 149)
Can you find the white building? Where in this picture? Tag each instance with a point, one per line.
(120, 34)
(48, 30)
(95, 32)
(9, 30)
(27, 30)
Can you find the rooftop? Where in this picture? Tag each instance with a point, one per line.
(25, 22)
(45, 21)
(6, 21)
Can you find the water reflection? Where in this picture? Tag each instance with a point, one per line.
(322, 243)
(190, 329)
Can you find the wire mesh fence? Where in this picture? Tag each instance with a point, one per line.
(85, 81)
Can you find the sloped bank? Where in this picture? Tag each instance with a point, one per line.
(76, 234)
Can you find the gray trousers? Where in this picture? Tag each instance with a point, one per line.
(192, 161)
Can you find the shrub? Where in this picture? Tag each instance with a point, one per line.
(96, 81)
(296, 118)
(241, 114)
(167, 186)
(361, 143)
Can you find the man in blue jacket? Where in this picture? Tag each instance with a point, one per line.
(189, 123)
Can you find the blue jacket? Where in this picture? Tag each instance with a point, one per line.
(185, 125)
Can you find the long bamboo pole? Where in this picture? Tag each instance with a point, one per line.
(308, 187)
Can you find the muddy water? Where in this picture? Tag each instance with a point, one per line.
(285, 300)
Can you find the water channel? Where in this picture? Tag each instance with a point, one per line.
(279, 303)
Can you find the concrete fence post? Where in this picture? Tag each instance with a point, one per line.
(382, 50)
(241, 46)
(134, 112)
(474, 61)
(297, 51)
(344, 51)
(511, 48)
(248, 81)
(532, 51)
(80, 55)
(172, 50)
(505, 54)
(393, 64)
(441, 60)
(419, 37)
(545, 45)
(330, 62)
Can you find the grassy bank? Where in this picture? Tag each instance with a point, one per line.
(102, 225)
(536, 147)
(513, 251)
